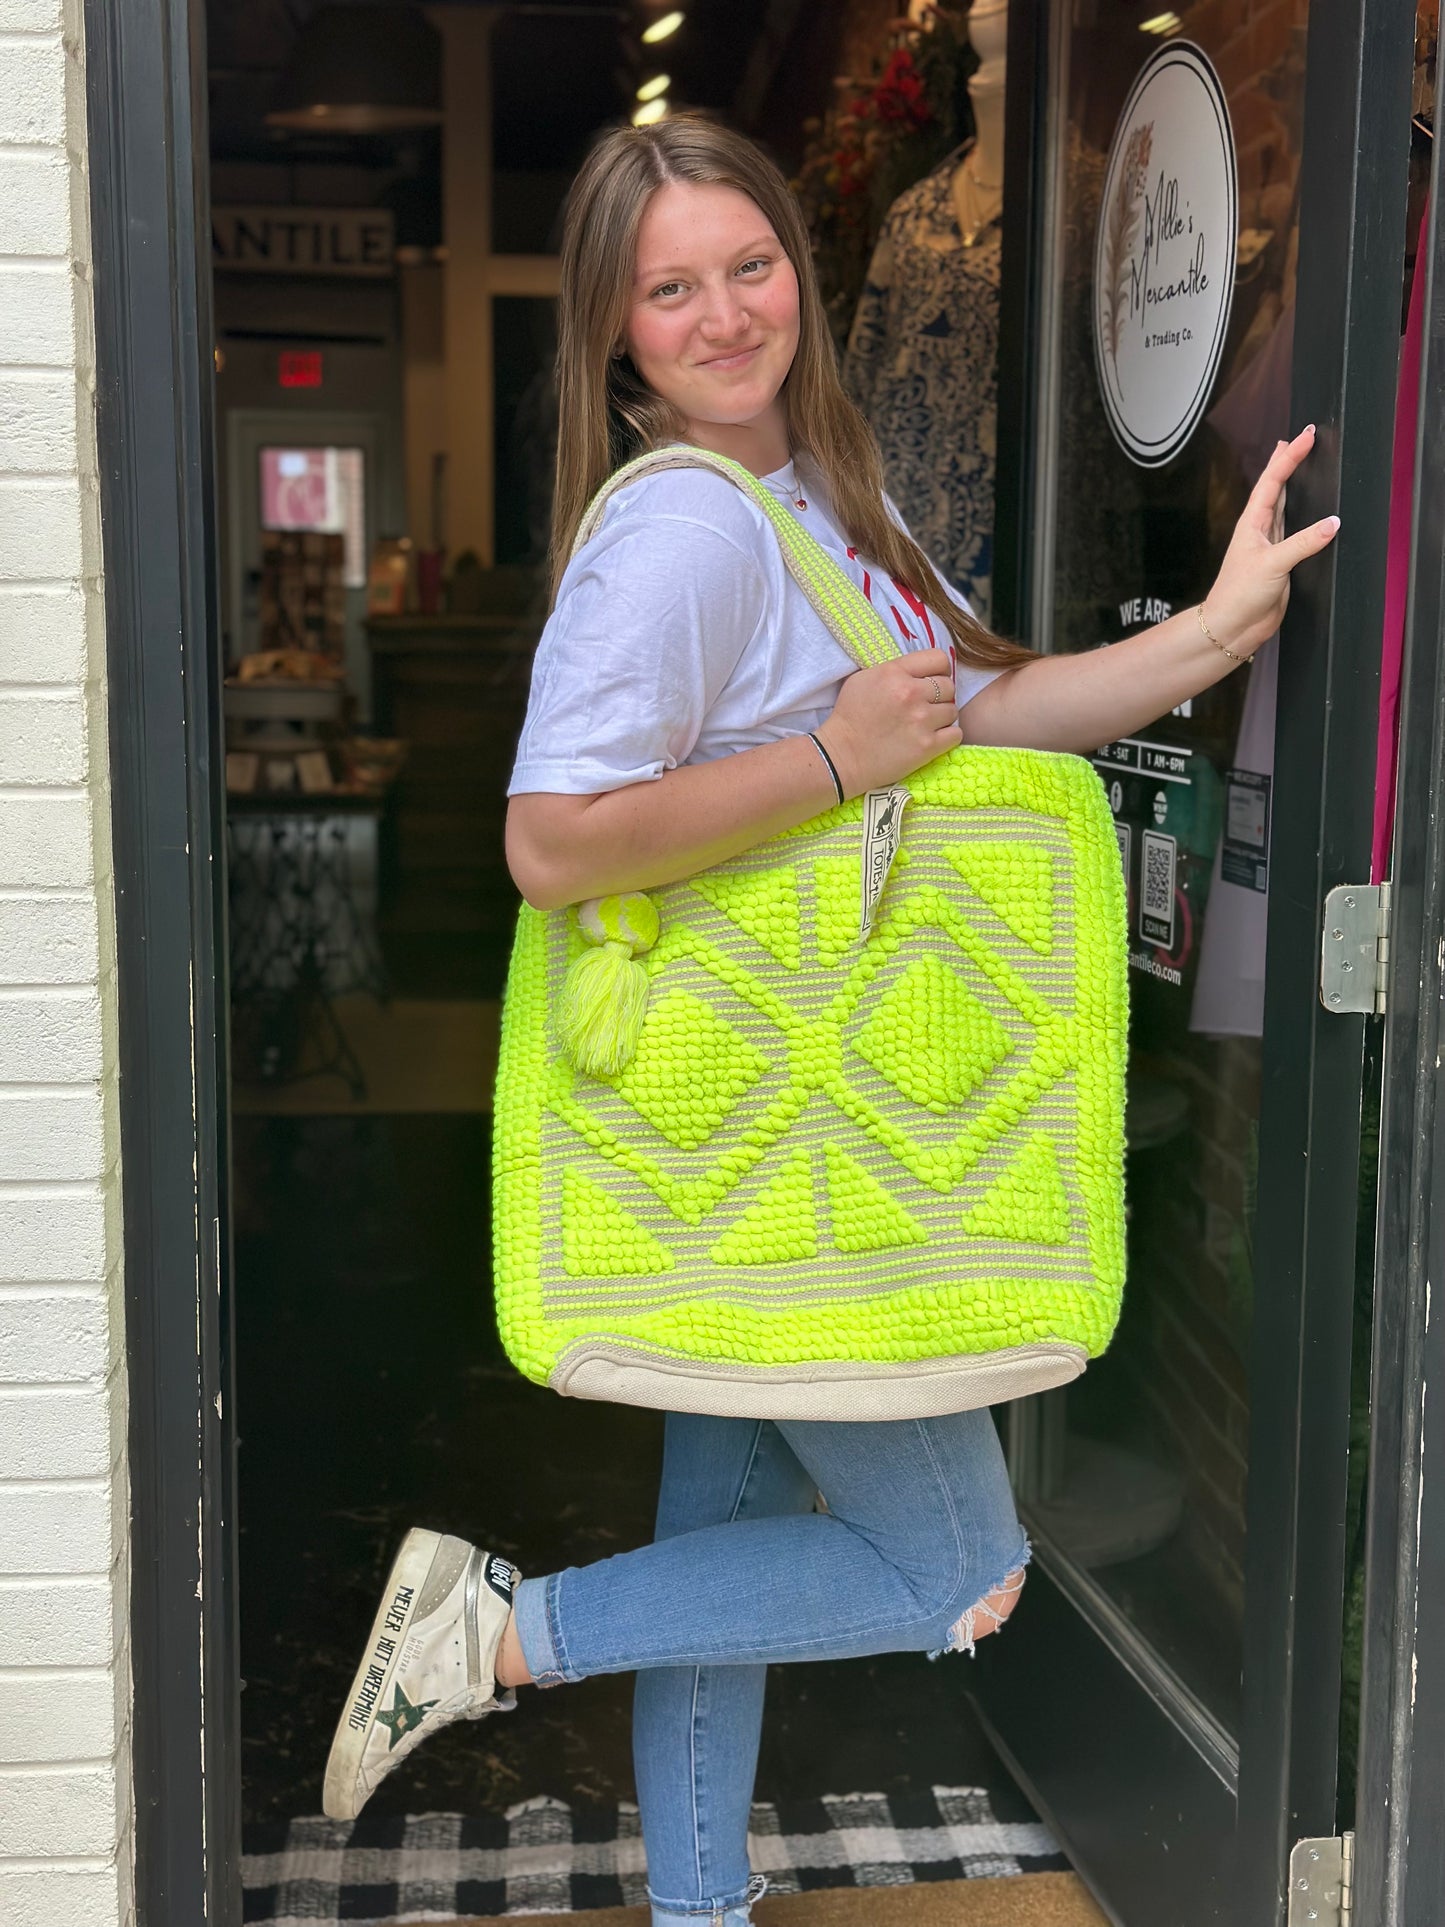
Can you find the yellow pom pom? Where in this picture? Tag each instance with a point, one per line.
(604, 994)
(630, 919)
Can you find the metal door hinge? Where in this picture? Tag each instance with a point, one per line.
(1355, 948)
(1321, 1882)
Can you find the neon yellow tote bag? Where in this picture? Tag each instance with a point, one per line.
(835, 1128)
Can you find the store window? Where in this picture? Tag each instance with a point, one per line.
(1175, 172)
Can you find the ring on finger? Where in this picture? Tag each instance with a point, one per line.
(935, 694)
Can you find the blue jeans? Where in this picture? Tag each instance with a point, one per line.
(920, 1525)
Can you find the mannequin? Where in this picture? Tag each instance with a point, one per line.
(922, 355)
(978, 182)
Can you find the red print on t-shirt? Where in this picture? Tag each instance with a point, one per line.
(904, 630)
(916, 605)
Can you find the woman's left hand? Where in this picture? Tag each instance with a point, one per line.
(1251, 591)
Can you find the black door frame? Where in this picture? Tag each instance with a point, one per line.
(145, 78)
(1353, 188)
(1400, 1857)
(148, 170)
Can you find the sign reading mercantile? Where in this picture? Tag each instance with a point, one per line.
(1164, 255)
(303, 240)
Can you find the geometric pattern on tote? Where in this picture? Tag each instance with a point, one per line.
(828, 1147)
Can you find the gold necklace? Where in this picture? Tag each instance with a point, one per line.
(972, 220)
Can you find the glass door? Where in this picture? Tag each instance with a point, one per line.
(1170, 1696)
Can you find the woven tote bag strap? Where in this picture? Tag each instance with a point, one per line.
(840, 603)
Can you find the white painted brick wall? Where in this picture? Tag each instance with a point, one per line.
(65, 1797)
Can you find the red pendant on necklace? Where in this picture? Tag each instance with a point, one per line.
(800, 502)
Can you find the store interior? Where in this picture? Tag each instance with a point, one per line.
(386, 185)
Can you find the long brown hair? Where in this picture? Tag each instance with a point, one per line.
(607, 413)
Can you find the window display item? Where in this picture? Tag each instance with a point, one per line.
(429, 581)
(922, 355)
(303, 593)
(388, 577)
(922, 364)
(834, 1128)
(319, 490)
(899, 108)
(313, 772)
(242, 769)
(287, 665)
(277, 724)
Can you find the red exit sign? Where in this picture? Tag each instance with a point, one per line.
(300, 367)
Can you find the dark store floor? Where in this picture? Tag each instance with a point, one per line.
(373, 1394)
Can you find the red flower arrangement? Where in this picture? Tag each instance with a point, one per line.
(900, 95)
(875, 143)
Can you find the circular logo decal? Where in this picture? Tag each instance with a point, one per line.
(1164, 254)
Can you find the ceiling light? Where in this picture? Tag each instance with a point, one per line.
(660, 29)
(361, 70)
(650, 89)
(652, 110)
(1161, 23)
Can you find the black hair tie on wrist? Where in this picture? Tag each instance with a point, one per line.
(832, 766)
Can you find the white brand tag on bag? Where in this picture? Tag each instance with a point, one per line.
(882, 832)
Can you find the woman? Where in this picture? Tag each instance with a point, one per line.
(687, 703)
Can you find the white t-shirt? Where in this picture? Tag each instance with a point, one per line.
(678, 635)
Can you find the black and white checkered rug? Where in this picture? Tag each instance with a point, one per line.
(545, 1857)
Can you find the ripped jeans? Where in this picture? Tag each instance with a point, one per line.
(920, 1526)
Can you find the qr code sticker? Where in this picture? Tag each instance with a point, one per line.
(1159, 860)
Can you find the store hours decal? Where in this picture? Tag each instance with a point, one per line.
(1164, 254)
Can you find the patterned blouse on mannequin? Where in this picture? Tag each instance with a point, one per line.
(922, 364)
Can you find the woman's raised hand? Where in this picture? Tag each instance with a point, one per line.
(892, 719)
(1251, 591)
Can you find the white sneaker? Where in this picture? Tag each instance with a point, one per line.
(430, 1660)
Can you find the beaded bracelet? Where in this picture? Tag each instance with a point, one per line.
(1233, 654)
(832, 767)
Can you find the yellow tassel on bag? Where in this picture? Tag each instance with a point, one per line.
(604, 995)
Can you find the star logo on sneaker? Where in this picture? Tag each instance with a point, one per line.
(403, 1718)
